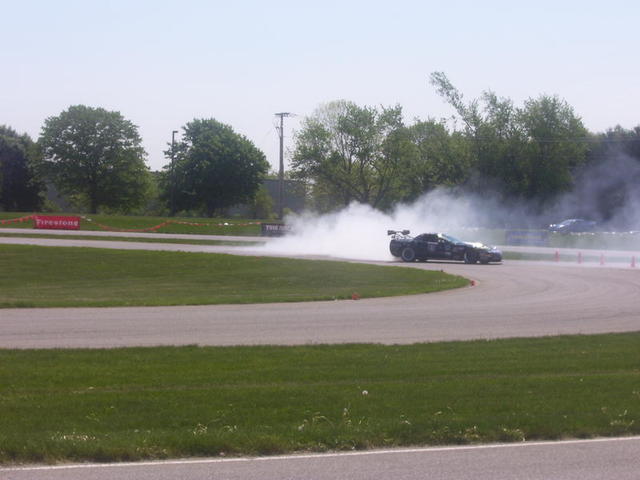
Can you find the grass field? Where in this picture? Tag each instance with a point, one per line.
(203, 226)
(35, 276)
(572, 258)
(129, 404)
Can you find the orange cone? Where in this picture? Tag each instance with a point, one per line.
(557, 256)
(602, 259)
(579, 257)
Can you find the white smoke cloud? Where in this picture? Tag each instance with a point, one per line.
(360, 232)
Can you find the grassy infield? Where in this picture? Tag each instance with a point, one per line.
(165, 402)
(63, 277)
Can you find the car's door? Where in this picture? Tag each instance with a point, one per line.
(430, 242)
(421, 245)
(443, 248)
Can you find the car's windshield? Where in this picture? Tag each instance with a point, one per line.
(568, 222)
(449, 238)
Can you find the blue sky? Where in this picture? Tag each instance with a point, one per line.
(162, 64)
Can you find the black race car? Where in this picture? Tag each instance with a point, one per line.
(438, 246)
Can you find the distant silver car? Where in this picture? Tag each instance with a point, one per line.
(573, 225)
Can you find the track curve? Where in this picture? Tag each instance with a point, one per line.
(516, 299)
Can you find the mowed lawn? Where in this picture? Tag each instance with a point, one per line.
(34, 276)
(138, 403)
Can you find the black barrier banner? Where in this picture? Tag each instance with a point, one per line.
(275, 229)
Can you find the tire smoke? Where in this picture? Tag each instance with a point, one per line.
(606, 192)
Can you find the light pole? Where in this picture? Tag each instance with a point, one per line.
(281, 171)
(173, 173)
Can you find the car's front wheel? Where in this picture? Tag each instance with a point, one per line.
(408, 254)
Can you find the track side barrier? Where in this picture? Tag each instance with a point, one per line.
(69, 222)
(155, 228)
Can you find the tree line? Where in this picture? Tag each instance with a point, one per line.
(530, 154)
(343, 152)
(95, 158)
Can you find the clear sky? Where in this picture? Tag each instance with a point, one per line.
(162, 64)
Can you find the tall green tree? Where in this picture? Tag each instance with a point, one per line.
(443, 158)
(351, 153)
(214, 168)
(494, 137)
(95, 157)
(20, 188)
(557, 144)
(529, 152)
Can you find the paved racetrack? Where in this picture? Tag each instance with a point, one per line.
(570, 460)
(516, 299)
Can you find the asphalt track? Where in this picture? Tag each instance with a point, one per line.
(615, 459)
(515, 299)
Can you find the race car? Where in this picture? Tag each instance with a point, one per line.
(438, 246)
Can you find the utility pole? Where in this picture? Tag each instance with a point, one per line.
(281, 171)
(173, 174)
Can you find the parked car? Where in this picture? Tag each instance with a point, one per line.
(439, 246)
(573, 225)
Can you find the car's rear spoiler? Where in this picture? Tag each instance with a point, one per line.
(402, 232)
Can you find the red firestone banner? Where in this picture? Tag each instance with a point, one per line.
(56, 222)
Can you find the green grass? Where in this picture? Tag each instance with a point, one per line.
(551, 257)
(33, 276)
(211, 226)
(131, 404)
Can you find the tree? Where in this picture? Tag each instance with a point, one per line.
(95, 156)
(351, 153)
(443, 159)
(215, 168)
(20, 189)
(262, 204)
(556, 145)
(530, 152)
(615, 141)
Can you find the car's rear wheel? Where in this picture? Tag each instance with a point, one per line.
(408, 254)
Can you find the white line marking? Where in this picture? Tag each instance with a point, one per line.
(319, 455)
